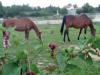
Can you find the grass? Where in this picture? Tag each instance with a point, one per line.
(51, 33)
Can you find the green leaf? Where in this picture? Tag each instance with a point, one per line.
(60, 61)
(11, 69)
(2, 53)
(16, 42)
(70, 50)
(2, 28)
(91, 40)
(96, 43)
(73, 67)
(87, 60)
(24, 68)
(81, 55)
(34, 68)
(22, 55)
(66, 50)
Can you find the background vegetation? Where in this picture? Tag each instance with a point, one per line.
(16, 58)
(26, 10)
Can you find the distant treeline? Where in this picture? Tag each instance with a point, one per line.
(26, 10)
(86, 8)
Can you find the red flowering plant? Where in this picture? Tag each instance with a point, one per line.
(6, 42)
(52, 46)
(30, 73)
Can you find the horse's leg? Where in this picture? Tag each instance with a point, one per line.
(64, 35)
(67, 31)
(85, 33)
(80, 33)
(26, 35)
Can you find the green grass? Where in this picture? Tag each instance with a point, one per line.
(51, 33)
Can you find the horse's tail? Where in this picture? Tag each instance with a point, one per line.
(62, 26)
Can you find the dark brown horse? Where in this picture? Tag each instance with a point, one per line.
(22, 25)
(79, 22)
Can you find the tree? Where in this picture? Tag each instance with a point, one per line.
(26, 10)
(1, 10)
(78, 11)
(87, 8)
(16, 10)
(51, 10)
(98, 8)
(63, 11)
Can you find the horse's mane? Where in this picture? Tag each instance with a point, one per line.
(84, 15)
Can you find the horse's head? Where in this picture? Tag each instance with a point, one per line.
(93, 32)
(40, 35)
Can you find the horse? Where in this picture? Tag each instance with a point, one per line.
(79, 22)
(23, 24)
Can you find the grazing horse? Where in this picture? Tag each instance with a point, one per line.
(79, 22)
(22, 25)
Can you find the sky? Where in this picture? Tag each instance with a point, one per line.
(45, 3)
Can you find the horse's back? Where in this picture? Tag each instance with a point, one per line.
(23, 21)
(79, 21)
(23, 24)
(69, 20)
(20, 24)
(73, 21)
(8, 22)
(87, 20)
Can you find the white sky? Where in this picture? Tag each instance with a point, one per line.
(45, 3)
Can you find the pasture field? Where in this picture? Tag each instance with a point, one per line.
(41, 55)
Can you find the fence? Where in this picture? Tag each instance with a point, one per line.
(58, 19)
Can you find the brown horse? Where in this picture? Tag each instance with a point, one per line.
(82, 22)
(22, 25)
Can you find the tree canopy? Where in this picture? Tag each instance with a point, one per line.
(26, 10)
